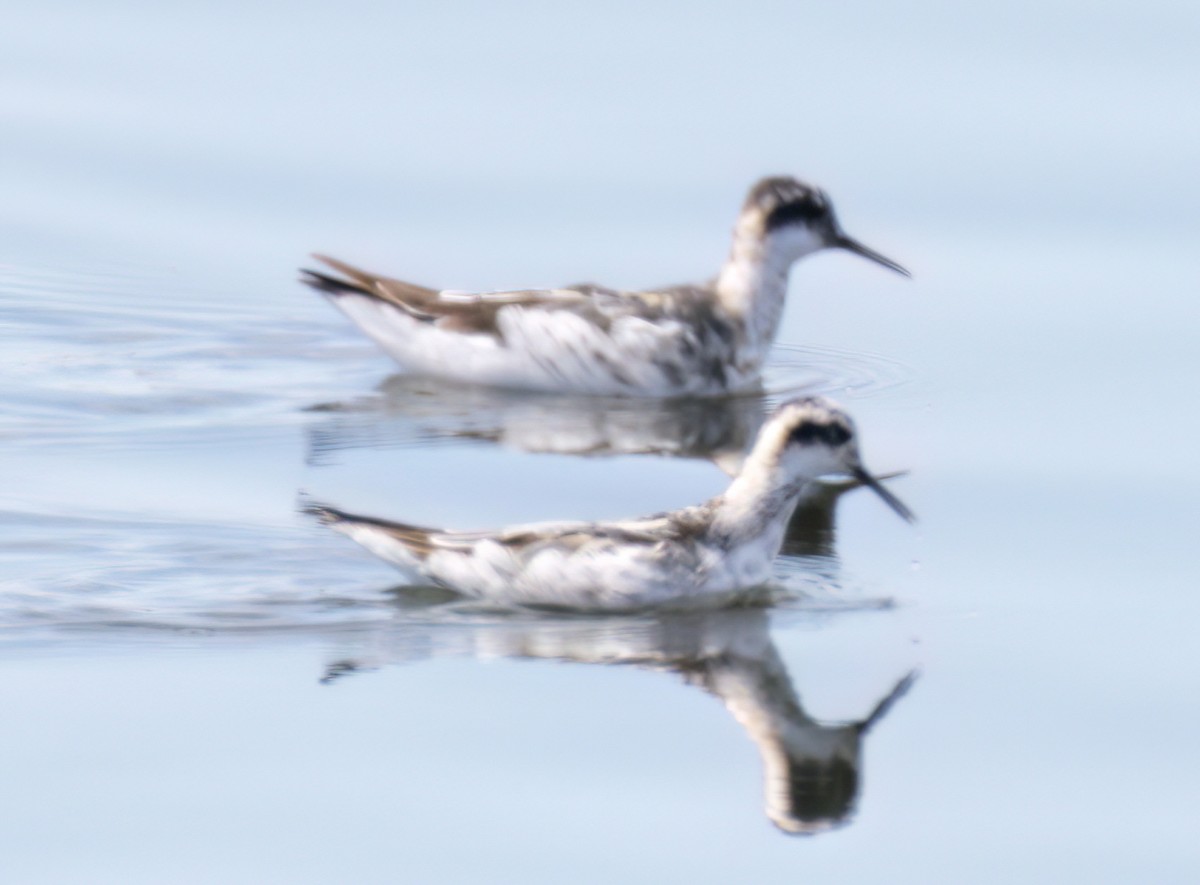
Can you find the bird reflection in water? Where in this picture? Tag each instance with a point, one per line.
(811, 768)
(412, 411)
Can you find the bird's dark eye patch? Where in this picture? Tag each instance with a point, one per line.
(798, 211)
(811, 432)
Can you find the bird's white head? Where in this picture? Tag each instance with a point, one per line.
(792, 219)
(811, 437)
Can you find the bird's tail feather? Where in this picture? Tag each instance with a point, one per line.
(417, 540)
(324, 514)
(330, 285)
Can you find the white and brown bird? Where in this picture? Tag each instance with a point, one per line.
(710, 553)
(696, 340)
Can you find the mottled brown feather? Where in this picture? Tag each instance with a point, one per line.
(472, 314)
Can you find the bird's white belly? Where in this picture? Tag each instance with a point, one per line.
(537, 349)
(620, 577)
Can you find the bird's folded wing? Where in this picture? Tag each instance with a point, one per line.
(456, 310)
(572, 536)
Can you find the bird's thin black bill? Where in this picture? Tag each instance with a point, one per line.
(852, 245)
(891, 500)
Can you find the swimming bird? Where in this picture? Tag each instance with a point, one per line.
(713, 552)
(697, 340)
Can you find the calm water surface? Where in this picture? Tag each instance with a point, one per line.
(202, 685)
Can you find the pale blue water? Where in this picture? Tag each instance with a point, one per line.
(201, 685)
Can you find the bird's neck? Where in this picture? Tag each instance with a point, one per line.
(752, 286)
(758, 504)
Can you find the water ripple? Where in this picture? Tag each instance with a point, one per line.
(111, 359)
(112, 570)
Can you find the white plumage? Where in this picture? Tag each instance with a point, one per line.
(703, 339)
(710, 553)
